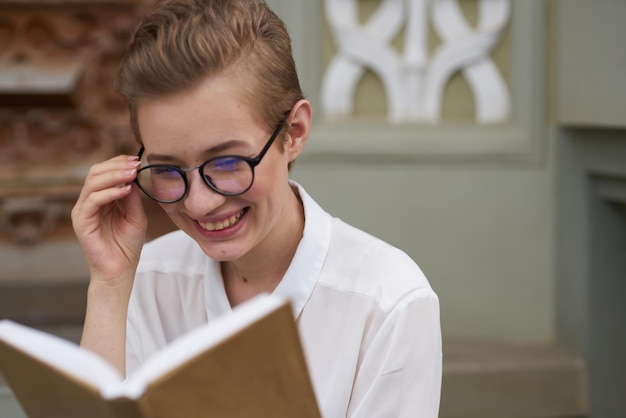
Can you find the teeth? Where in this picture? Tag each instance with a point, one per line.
(219, 225)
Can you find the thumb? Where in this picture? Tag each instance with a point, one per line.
(134, 207)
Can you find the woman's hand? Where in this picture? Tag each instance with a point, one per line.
(110, 224)
(109, 220)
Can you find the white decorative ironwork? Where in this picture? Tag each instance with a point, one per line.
(414, 84)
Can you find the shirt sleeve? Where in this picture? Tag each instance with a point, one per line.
(400, 373)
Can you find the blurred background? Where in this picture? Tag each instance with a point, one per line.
(486, 138)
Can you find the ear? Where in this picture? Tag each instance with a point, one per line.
(298, 127)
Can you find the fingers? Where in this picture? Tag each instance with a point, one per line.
(110, 180)
(105, 183)
(108, 219)
(114, 173)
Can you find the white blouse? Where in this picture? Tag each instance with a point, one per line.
(367, 316)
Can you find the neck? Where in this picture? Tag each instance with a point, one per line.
(263, 268)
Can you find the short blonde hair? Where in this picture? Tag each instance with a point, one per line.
(182, 42)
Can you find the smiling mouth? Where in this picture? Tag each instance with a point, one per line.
(223, 224)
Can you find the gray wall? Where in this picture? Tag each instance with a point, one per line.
(591, 205)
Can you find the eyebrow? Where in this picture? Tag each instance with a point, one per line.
(219, 148)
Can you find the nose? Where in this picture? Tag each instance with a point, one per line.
(200, 198)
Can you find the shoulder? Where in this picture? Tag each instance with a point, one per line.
(360, 263)
(172, 252)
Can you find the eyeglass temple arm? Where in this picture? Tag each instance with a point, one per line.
(269, 143)
(140, 153)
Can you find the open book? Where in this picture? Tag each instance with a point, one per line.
(246, 364)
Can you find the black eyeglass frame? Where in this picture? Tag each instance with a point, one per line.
(252, 162)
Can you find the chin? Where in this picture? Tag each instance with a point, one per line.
(220, 252)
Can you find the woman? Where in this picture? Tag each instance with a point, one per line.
(216, 106)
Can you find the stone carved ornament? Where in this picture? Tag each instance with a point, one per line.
(58, 109)
(413, 81)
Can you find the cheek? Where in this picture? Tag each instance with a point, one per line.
(270, 177)
(272, 193)
(169, 209)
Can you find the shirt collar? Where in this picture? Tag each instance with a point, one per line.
(304, 271)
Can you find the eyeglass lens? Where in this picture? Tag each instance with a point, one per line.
(166, 183)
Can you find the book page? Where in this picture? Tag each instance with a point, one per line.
(60, 354)
(193, 343)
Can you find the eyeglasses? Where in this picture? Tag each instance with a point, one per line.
(228, 175)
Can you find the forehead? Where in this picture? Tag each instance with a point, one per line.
(200, 120)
